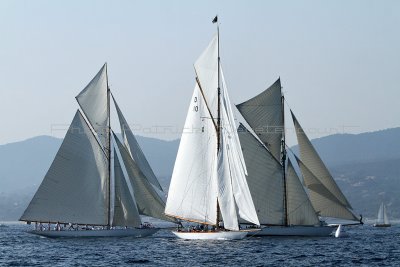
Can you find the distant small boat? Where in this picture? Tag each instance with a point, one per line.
(383, 220)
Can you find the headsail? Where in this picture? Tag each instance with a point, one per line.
(264, 115)
(264, 179)
(75, 188)
(232, 170)
(125, 209)
(135, 150)
(94, 102)
(147, 199)
(300, 210)
(382, 215)
(193, 192)
(311, 159)
(323, 200)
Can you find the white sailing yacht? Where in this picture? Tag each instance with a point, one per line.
(208, 184)
(96, 187)
(284, 207)
(383, 220)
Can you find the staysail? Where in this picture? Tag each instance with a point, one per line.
(135, 150)
(300, 209)
(75, 188)
(193, 190)
(264, 115)
(125, 209)
(147, 199)
(94, 101)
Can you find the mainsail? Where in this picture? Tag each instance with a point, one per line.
(75, 188)
(264, 115)
(193, 190)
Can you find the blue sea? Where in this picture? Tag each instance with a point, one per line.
(364, 246)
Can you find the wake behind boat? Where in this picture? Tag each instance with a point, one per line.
(97, 185)
(208, 184)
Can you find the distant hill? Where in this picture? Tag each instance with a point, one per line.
(366, 166)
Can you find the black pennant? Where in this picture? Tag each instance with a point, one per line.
(215, 19)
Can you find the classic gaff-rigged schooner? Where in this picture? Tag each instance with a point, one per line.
(95, 187)
(208, 184)
(283, 205)
(383, 220)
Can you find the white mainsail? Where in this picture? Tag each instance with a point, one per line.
(264, 179)
(300, 209)
(75, 188)
(94, 101)
(193, 190)
(135, 150)
(264, 115)
(147, 199)
(125, 209)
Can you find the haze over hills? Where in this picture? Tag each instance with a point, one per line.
(366, 166)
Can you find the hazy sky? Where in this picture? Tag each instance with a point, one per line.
(339, 61)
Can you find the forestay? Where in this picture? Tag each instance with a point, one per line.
(75, 189)
(94, 101)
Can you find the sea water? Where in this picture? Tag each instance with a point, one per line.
(364, 246)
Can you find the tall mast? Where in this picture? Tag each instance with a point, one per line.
(283, 161)
(219, 115)
(109, 152)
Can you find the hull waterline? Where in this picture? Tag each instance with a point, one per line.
(222, 235)
(97, 233)
(295, 231)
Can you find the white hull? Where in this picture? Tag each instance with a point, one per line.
(143, 232)
(222, 235)
(295, 231)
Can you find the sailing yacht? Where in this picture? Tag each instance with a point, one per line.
(284, 206)
(97, 184)
(208, 184)
(383, 220)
